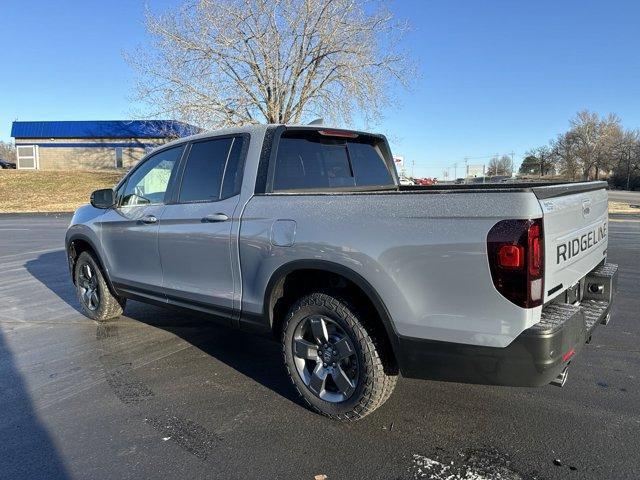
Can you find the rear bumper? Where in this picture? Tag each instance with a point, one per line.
(536, 357)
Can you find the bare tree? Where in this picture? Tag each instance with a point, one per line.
(7, 151)
(505, 165)
(492, 167)
(500, 165)
(594, 138)
(591, 147)
(564, 149)
(229, 62)
(546, 161)
(628, 157)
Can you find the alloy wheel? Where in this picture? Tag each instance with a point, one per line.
(88, 285)
(325, 358)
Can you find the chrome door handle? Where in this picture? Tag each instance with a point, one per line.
(148, 219)
(215, 217)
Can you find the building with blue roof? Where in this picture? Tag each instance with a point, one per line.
(100, 144)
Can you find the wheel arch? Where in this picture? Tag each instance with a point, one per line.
(324, 268)
(78, 243)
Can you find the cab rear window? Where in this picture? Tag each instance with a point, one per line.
(310, 161)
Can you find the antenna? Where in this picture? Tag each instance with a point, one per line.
(317, 121)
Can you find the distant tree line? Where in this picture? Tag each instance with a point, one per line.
(593, 148)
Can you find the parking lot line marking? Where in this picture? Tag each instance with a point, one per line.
(34, 251)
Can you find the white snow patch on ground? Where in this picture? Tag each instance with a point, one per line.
(426, 468)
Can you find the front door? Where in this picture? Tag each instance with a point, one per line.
(196, 232)
(129, 231)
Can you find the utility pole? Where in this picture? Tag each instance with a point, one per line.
(513, 165)
(455, 171)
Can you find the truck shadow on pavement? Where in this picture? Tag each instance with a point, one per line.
(27, 450)
(254, 356)
(52, 271)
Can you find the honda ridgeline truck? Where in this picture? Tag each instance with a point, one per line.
(305, 233)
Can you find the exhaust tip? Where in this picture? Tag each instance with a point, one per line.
(561, 379)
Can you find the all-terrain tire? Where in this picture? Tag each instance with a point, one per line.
(108, 306)
(374, 384)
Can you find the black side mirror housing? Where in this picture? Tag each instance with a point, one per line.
(103, 198)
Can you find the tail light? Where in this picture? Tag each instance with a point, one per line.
(516, 260)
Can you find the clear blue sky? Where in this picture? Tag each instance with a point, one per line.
(497, 76)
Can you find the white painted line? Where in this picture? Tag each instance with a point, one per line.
(33, 251)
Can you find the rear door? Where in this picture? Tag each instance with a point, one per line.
(195, 235)
(575, 221)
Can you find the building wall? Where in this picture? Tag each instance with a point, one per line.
(89, 154)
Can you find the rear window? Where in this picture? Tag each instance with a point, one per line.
(307, 160)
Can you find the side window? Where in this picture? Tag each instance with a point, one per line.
(233, 171)
(212, 171)
(310, 161)
(148, 183)
(368, 164)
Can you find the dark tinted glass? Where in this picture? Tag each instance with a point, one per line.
(233, 172)
(314, 162)
(368, 165)
(202, 177)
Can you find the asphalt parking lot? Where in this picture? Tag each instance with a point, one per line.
(164, 394)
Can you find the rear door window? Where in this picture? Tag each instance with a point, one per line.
(212, 171)
(310, 161)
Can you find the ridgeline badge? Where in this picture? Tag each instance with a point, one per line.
(575, 246)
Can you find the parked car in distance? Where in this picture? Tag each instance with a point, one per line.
(306, 234)
(5, 164)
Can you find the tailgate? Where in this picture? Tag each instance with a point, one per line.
(575, 221)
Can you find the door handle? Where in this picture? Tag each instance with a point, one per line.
(215, 217)
(148, 219)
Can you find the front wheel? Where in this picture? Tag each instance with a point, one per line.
(333, 361)
(96, 300)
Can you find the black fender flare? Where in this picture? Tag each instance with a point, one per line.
(332, 267)
(70, 257)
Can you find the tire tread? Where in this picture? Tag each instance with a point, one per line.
(378, 385)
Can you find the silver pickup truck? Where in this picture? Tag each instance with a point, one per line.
(305, 233)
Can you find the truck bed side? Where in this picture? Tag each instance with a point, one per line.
(425, 255)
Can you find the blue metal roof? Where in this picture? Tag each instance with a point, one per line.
(103, 129)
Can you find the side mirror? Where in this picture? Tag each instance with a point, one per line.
(103, 198)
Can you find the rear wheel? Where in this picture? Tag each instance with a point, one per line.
(96, 300)
(333, 360)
